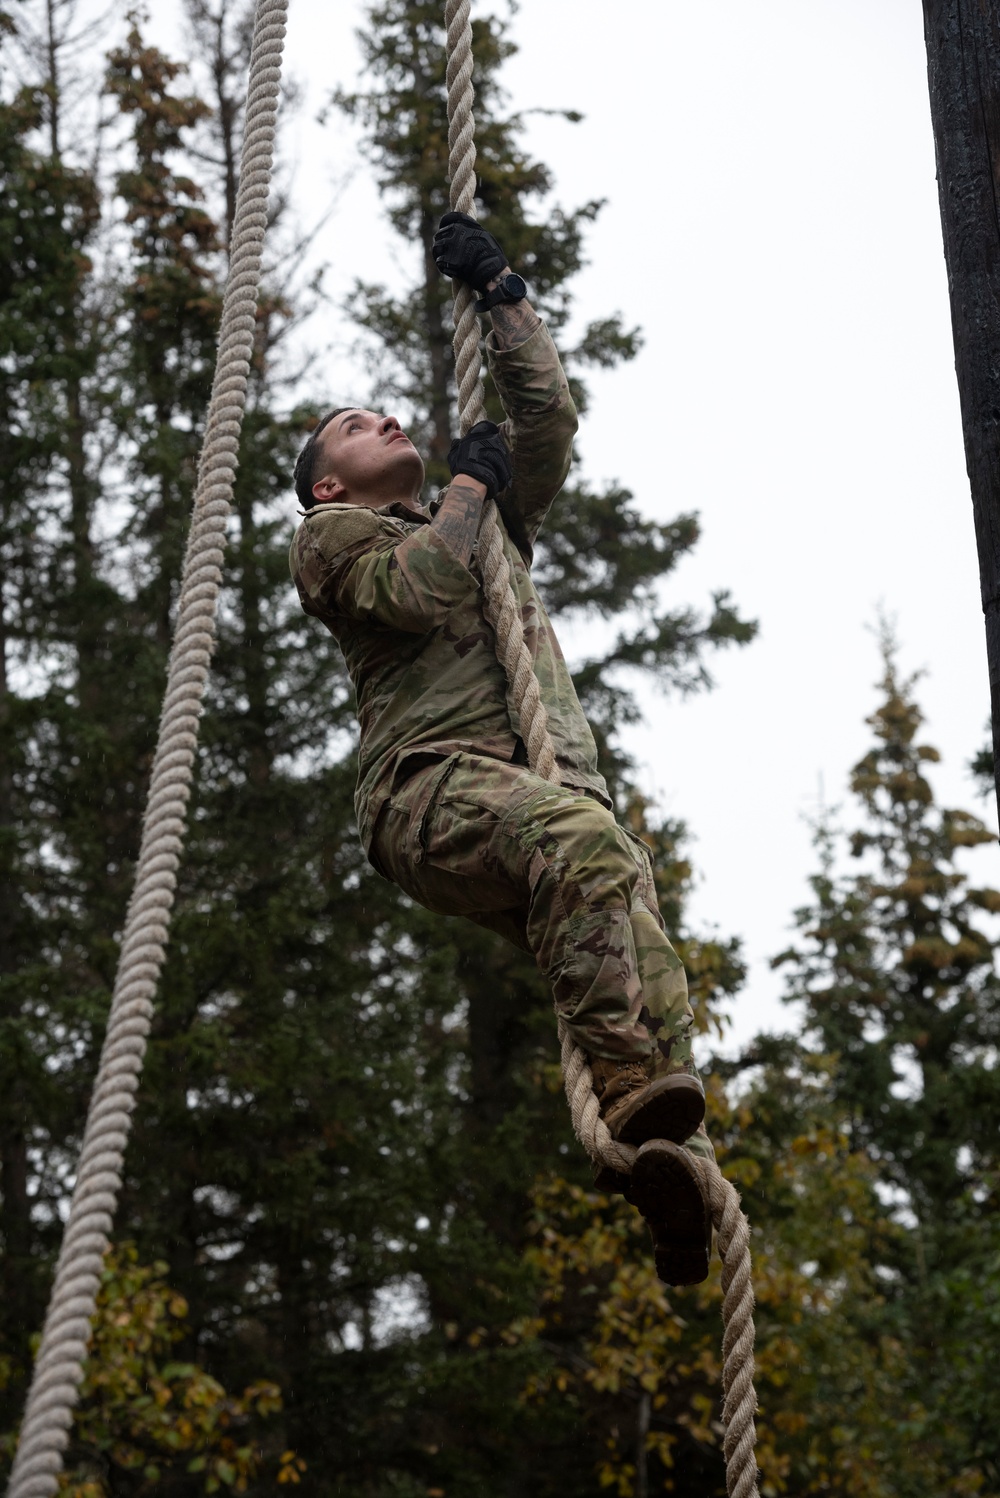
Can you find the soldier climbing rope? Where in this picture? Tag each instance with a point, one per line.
(59, 1365)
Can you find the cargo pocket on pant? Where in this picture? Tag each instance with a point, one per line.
(646, 886)
(421, 806)
(378, 832)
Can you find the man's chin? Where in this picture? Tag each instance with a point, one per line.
(407, 460)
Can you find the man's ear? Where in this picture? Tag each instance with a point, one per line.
(328, 490)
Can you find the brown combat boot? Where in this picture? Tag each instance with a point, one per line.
(667, 1187)
(636, 1107)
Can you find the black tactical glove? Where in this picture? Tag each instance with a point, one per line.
(467, 252)
(484, 455)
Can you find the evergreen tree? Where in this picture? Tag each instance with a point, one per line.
(47, 221)
(897, 973)
(899, 977)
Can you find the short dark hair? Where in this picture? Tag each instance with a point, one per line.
(305, 464)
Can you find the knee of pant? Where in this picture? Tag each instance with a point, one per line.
(597, 854)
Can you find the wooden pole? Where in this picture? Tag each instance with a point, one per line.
(963, 72)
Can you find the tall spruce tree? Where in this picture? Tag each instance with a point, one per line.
(48, 213)
(899, 978)
(897, 973)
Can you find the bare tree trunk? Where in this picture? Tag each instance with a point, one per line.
(963, 67)
(52, 45)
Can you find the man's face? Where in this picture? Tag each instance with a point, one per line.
(367, 459)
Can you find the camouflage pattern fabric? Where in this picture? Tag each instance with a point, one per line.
(408, 616)
(549, 868)
(446, 806)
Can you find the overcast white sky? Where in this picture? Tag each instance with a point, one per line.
(772, 224)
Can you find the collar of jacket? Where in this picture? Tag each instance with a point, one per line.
(396, 509)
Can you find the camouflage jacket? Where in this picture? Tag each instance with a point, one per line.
(408, 615)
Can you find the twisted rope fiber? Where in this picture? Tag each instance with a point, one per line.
(500, 602)
(59, 1366)
(503, 614)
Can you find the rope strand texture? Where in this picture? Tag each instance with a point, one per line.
(503, 614)
(59, 1365)
(499, 601)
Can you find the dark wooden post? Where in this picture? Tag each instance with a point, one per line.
(963, 71)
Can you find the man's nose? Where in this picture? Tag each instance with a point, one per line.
(389, 424)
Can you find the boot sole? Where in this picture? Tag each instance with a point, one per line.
(609, 1180)
(669, 1108)
(666, 1187)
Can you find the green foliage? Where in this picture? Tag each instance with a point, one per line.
(982, 770)
(866, 1154)
(48, 214)
(897, 973)
(641, 1363)
(168, 314)
(144, 1413)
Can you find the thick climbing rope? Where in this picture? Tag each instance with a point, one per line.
(59, 1365)
(504, 616)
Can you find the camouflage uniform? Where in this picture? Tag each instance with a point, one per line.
(447, 807)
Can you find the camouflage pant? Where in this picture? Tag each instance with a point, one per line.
(550, 869)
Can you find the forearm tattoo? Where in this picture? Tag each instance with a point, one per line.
(457, 521)
(513, 323)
